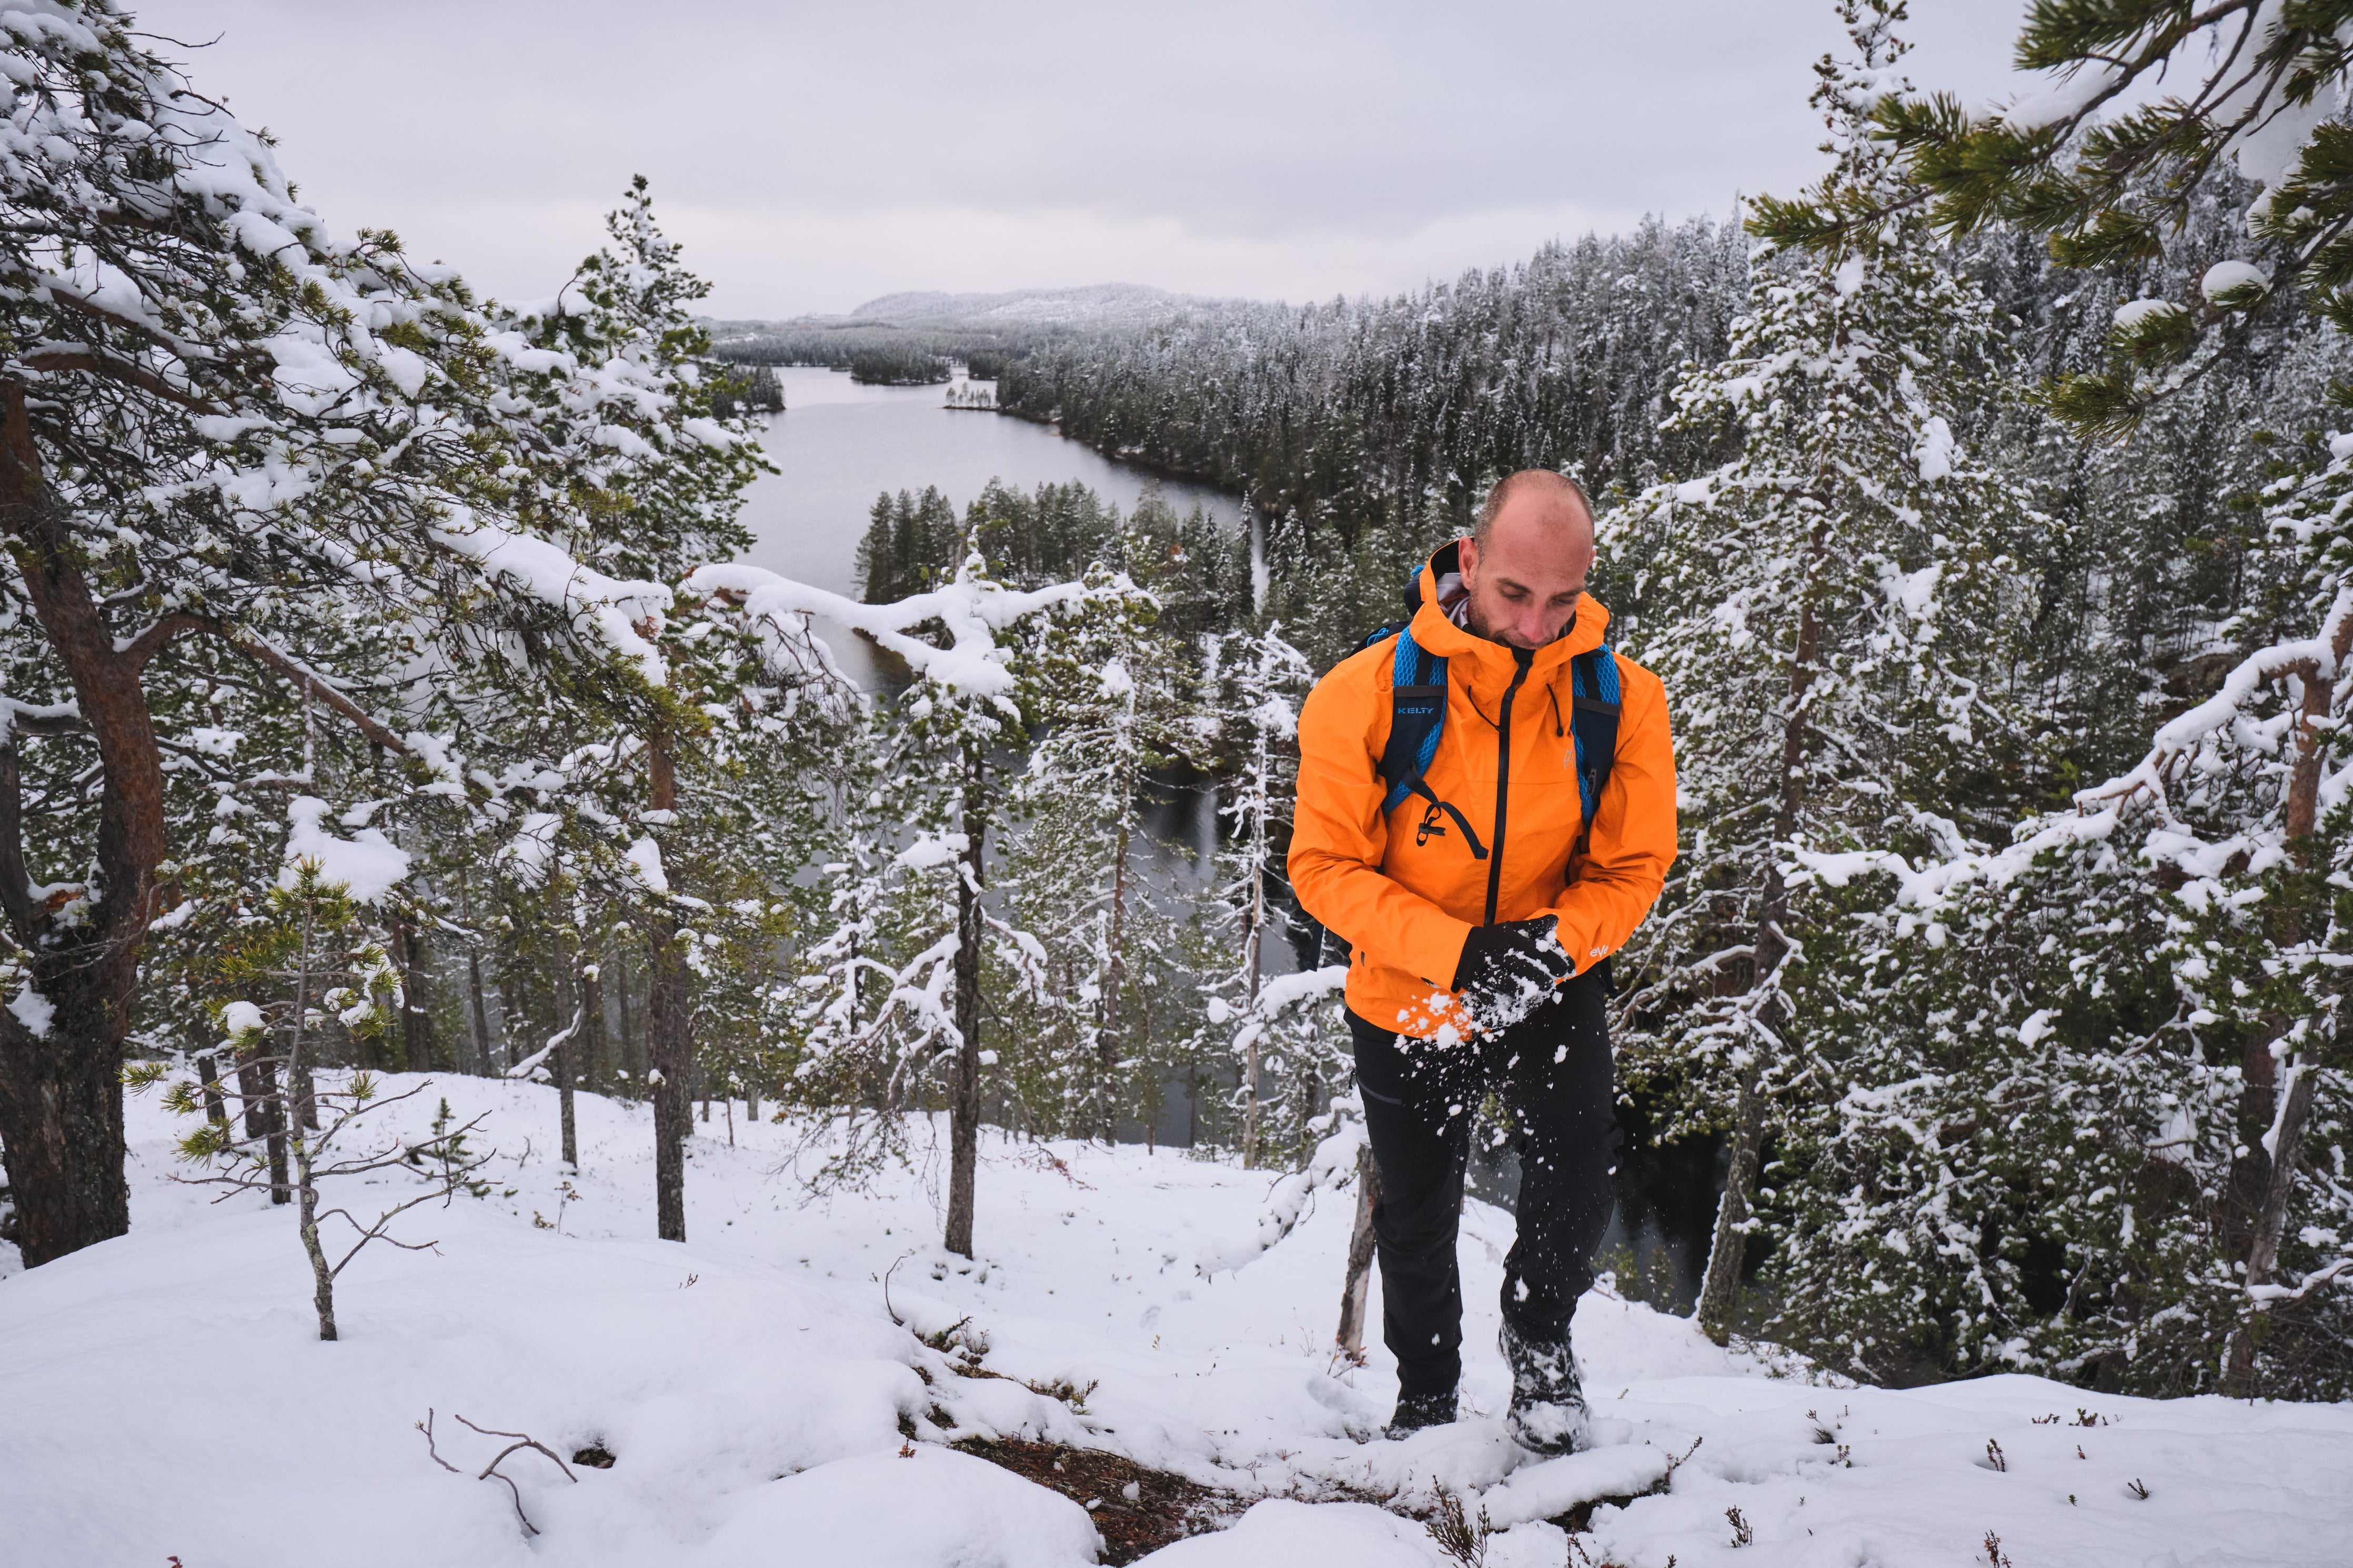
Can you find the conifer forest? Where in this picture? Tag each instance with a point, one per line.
(418, 814)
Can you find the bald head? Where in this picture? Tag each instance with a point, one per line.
(1525, 561)
(1540, 491)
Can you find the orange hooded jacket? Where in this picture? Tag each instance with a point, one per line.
(1401, 888)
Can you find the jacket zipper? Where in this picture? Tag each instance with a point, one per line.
(1523, 658)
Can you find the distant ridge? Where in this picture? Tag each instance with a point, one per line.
(1095, 305)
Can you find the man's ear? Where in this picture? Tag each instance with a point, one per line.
(1467, 556)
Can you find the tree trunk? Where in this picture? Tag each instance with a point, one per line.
(562, 1061)
(2271, 1224)
(61, 1135)
(415, 1041)
(669, 1043)
(1251, 946)
(1114, 975)
(305, 1188)
(630, 1062)
(61, 1087)
(1357, 1285)
(322, 1278)
(963, 1096)
(592, 1026)
(265, 1114)
(209, 1074)
(559, 973)
(482, 1015)
(2262, 1180)
(1721, 1286)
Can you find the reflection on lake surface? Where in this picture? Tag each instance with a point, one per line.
(840, 444)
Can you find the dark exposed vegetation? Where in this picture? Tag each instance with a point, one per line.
(897, 365)
(756, 391)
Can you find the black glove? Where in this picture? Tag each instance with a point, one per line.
(1507, 970)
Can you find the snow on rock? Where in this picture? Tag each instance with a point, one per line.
(755, 1393)
(368, 865)
(924, 1510)
(1281, 1533)
(1556, 1486)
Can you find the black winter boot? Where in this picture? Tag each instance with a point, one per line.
(1548, 1415)
(1415, 1411)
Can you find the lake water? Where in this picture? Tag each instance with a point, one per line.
(839, 445)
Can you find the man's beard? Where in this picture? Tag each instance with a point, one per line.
(1479, 628)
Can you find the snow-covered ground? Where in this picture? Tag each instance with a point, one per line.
(164, 1397)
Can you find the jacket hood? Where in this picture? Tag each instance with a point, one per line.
(1439, 607)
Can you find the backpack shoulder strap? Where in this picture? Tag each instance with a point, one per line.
(1593, 686)
(1417, 715)
(1416, 718)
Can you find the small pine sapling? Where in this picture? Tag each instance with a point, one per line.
(321, 975)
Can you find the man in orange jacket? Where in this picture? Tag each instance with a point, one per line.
(1481, 911)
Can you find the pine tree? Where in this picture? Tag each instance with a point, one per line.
(1831, 609)
(310, 961)
(263, 451)
(892, 983)
(2222, 844)
(1259, 679)
(1109, 709)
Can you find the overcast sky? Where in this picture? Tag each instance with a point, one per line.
(814, 156)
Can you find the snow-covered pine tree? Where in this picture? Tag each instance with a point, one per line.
(658, 490)
(241, 447)
(303, 972)
(652, 484)
(1258, 680)
(892, 983)
(1831, 610)
(1111, 705)
(2178, 939)
(2237, 798)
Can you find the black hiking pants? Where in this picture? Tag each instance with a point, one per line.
(1553, 1073)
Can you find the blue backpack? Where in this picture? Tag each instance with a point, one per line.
(1417, 717)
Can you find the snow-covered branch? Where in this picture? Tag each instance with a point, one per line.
(972, 608)
(1332, 1165)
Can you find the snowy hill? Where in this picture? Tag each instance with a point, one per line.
(1097, 305)
(752, 1400)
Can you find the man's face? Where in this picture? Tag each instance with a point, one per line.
(1525, 585)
